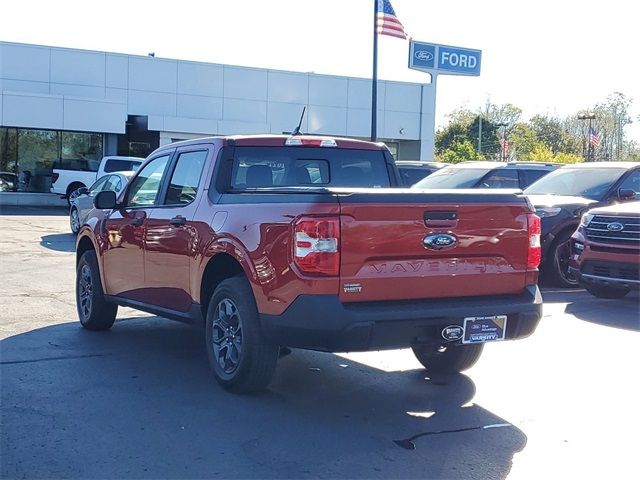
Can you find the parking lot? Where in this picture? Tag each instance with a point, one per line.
(139, 402)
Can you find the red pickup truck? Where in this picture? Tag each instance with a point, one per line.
(276, 241)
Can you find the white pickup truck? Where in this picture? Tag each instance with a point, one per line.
(70, 175)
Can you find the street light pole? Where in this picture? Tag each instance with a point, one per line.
(590, 117)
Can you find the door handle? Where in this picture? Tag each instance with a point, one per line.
(178, 221)
(136, 222)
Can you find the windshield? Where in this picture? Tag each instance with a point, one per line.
(590, 183)
(449, 177)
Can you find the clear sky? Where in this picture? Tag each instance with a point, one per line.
(546, 56)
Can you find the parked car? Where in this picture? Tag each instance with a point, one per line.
(82, 203)
(563, 196)
(69, 175)
(249, 236)
(605, 250)
(8, 182)
(412, 171)
(487, 175)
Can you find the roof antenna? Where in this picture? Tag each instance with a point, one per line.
(297, 129)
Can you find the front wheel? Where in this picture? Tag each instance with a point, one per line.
(74, 220)
(242, 361)
(602, 291)
(558, 263)
(446, 359)
(94, 311)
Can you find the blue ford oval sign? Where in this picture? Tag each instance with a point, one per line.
(424, 55)
(615, 227)
(439, 241)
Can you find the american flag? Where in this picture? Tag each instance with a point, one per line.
(387, 23)
(594, 141)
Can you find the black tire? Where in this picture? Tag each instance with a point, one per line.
(603, 291)
(242, 361)
(557, 266)
(443, 359)
(74, 220)
(94, 312)
(72, 190)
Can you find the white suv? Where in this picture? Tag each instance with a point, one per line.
(71, 175)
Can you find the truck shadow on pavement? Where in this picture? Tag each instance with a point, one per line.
(139, 401)
(623, 313)
(59, 242)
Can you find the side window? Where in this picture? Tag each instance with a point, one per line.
(118, 165)
(530, 176)
(145, 186)
(186, 177)
(632, 182)
(113, 184)
(501, 178)
(99, 185)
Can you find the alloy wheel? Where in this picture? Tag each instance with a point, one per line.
(86, 291)
(227, 336)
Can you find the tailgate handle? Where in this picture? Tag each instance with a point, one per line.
(440, 219)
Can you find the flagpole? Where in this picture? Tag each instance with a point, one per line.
(374, 81)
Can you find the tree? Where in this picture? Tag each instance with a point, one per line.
(552, 132)
(460, 150)
(449, 135)
(523, 141)
(541, 153)
(505, 113)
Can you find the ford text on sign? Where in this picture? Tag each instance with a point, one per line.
(459, 60)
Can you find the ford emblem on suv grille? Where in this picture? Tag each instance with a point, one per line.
(439, 241)
(615, 227)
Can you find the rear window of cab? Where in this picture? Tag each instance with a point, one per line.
(259, 167)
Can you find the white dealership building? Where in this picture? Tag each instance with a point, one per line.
(60, 105)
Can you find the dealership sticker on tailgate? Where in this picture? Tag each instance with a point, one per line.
(484, 329)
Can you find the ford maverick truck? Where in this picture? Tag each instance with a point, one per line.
(303, 242)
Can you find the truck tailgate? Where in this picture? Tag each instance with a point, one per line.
(432, 244)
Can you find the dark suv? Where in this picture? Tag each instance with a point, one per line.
(412, 171)
(487, 175)
(605, 256)
(563, 196)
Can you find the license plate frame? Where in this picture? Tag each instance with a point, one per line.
(485, 329)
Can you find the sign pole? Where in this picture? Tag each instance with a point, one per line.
(374, 81)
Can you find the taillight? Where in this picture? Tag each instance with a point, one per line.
(54, 177)
(535, 250)
(316, 247)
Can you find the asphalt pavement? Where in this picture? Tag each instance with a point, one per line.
(139, 402)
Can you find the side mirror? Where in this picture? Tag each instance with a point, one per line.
(626, 194)
(105, 200)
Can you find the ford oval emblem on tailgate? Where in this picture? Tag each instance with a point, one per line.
(439, 241)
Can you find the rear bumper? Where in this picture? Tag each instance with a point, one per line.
(322, 322)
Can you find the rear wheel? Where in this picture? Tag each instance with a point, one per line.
(558, 263)
(602, 291)
(94, 312)
(444, 359)
(74, 220)
(241, 359)
(72, 192)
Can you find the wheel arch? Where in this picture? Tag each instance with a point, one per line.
(219, 267)
(77, 184)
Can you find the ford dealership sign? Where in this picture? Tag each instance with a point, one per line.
(443, 59)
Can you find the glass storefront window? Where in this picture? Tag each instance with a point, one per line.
(8, 159)
(37, 150)
(28, 157)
